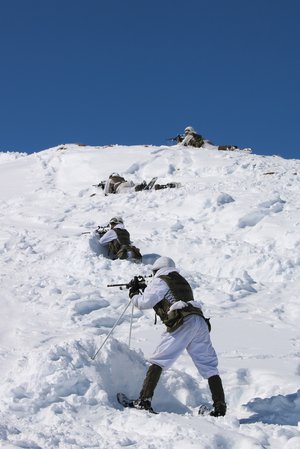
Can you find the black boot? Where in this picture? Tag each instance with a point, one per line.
(150, 382)
(218, 397)
(147, 391)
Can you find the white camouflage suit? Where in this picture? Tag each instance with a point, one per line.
(192, 335)
(111, 235)
(120, 187)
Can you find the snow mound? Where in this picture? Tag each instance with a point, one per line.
(8, 156)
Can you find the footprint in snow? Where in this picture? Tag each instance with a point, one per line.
(251, 219)
(243, 376)
(276, 205)
(224, 198)
(72, 296)
(86, 307)
(266, 208)
(28, 444)
(104, 322)
(171, 169)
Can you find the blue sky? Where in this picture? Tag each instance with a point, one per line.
(137, 72)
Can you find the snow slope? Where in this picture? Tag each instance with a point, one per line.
(233, 229)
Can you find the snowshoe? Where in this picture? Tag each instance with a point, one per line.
(139, 404)
(205, 410)
(219, 409)
(150, 185)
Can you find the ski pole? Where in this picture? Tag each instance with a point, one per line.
(130, 329)
(110, 332)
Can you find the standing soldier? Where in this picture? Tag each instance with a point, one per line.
(171, 297)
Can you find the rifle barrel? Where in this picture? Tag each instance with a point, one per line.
(117, 285)
(140, 279)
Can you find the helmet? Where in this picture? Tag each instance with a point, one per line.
(116, 220)
(189, 130)
(114, 174)
(163, 262)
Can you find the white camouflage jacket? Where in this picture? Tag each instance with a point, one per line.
(158, 290)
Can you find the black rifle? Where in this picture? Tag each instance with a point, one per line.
(169, 185)
(101, 184)
(101, 230)
(137, 282)
(177, 138)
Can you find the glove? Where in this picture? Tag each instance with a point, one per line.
(133, 291)
(134, 287)
(142, 286)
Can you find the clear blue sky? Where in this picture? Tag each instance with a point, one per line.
(137, 72)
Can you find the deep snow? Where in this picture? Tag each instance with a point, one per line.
(233, 230)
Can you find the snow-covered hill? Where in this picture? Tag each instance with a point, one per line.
(233, 229)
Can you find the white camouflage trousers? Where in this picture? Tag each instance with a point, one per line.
(192, 335)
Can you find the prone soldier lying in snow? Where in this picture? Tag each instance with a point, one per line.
(118, 184)
(117, 239)
(191, 138)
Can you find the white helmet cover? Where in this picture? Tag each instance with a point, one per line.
(189, 130)
(116, 220)
(163, 262)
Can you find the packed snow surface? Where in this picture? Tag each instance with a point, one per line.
(233, 229)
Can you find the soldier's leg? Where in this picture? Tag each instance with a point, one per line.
(217, 394)
(205, 359)
(169, 349)
(150, 382)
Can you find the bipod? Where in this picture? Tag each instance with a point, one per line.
(130, 329)
(111, 331)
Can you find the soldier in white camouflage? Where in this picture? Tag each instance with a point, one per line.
(191, 138)
(117, 238)
(117, 184)
(171, 296)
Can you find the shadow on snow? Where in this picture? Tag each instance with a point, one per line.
(282, 410)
